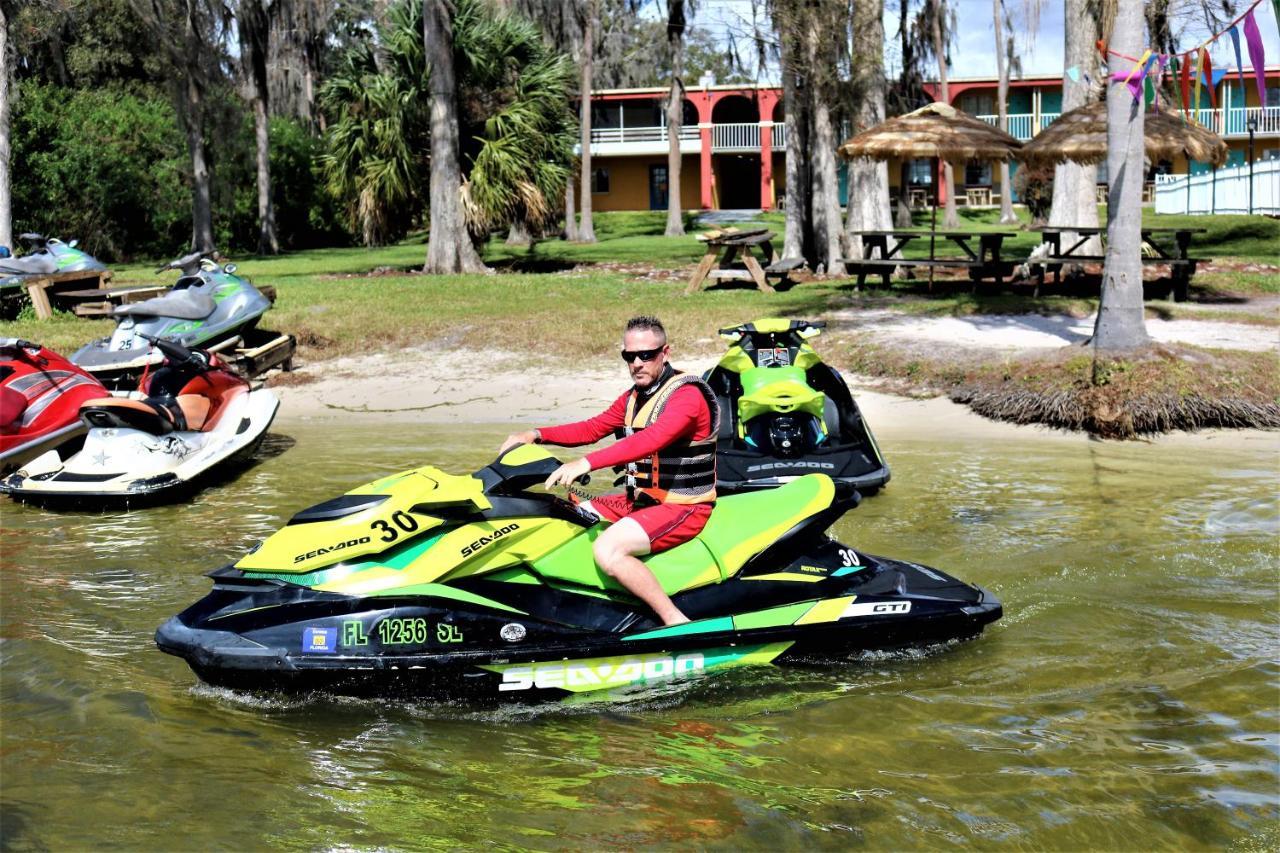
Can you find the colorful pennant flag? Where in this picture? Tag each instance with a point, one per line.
(1235, 40)
(1257, 55)
(1199, 78)
(1184, 83)
(1206, 71)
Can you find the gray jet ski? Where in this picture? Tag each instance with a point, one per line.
(209, 305)
(45, 256)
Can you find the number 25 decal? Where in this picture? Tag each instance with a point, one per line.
(403, 520)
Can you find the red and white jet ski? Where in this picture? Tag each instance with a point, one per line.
(40, 397)
(191, 416)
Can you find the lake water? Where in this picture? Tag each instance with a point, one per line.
(1128, 699)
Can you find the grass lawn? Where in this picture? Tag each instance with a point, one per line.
(567, 300)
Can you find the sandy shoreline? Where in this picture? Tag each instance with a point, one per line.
(424, 386)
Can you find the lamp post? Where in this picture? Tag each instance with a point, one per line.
(1253, 126)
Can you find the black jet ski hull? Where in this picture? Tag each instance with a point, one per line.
(271, 635)
(743, 470)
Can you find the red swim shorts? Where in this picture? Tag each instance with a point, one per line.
(666, 525)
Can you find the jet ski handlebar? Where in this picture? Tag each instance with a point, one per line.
(177, 353)
(189, 264)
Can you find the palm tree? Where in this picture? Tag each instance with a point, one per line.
(512, 137)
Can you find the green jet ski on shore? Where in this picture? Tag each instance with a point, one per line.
(429, 583)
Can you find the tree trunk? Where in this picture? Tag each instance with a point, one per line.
(675, 117)
(201, 199)
(950, 218)
(255, 38)
(903, 217)
(1004, 49)
(827, 223)
(1074, 197)
(868, 189)
(518, 234)
(586, 227)
(6, 201)
(797, 165)
(449, 247)
(570, 212)
(1120, 322)
(268, 243)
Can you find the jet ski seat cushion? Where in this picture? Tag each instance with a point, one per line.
(181, 305)
(120, 413)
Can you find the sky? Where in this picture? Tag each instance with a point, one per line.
(973, 51)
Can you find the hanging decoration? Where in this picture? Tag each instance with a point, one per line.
(1141, 86)
(1257, 55)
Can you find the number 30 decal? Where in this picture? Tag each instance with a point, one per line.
(402, 519)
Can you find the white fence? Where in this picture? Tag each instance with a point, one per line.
(1227, 191)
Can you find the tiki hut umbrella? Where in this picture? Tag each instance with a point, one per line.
(1081, 137)
(937, 131)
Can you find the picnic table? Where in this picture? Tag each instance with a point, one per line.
(732, 256)
(882, 253)
(1177, 256)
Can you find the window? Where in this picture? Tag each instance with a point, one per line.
(920, 172)
(977, 174)
(1273, 96)
(978, 103)
(599, 181)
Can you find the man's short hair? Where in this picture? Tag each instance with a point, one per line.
(647, 324)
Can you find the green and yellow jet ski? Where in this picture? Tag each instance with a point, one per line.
(784, 412)
(429, 583)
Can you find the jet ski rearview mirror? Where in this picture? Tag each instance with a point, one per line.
(230, 269)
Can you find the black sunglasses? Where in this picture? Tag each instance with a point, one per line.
(630, 355)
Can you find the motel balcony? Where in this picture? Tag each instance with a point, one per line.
(725, 138)
(1231, 123)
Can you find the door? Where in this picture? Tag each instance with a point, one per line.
(657, 187)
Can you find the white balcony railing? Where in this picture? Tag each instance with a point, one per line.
(1019, 124)
(1047, 119)
(779, 137)
(603, 135)
(735, 137)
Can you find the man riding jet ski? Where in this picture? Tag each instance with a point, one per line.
(428, 582)
(784, 412)
(667, 423)
(195, 416)
(444, 585)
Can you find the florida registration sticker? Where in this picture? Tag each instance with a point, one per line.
(319, 639)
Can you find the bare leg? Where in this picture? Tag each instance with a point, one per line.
(615, 552)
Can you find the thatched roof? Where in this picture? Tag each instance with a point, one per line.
(937, 130)
(1081, 137)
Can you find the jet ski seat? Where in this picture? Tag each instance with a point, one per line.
(181, 305)
(740, 527)
(121, 413)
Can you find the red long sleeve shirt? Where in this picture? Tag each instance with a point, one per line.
(685, 417)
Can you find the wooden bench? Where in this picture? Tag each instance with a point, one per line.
(1182, 268)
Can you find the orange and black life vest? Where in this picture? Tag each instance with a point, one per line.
(684, 472)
